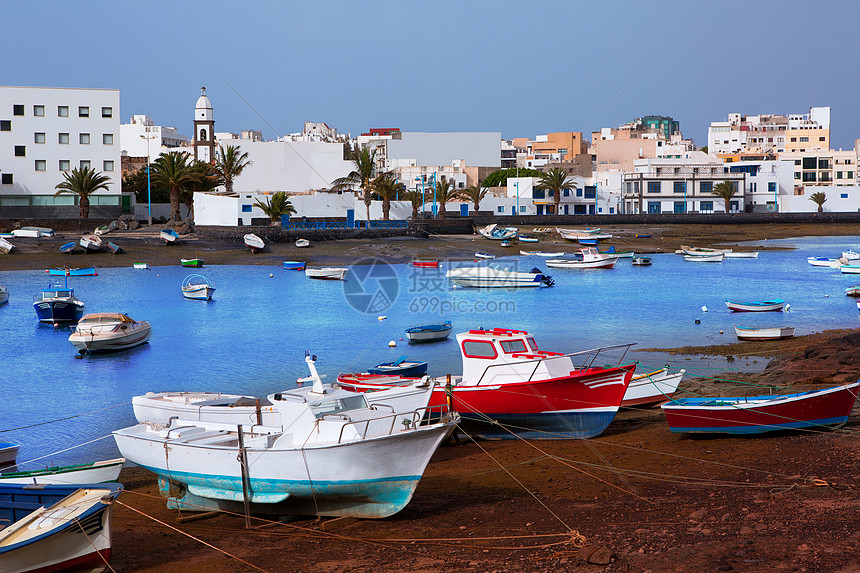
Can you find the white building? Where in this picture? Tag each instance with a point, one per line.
(161, 139)
(45, 132)
(770, 133)
(838, 200)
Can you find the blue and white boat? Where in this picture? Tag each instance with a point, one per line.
(429, 332)
(68, 248)
(497, 233)
(169, 236)
(497, 276)
(401, 367)
(67, 272)
(331, 455)
(294, 265)
(57, 303)
(823, 262)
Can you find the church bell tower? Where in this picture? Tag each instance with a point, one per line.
(204, 129)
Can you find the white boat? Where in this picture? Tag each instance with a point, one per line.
(496, 233)
(301, 243)
(4, 294)
(496, 276)
(591, 259)
(8, 454)
(92, 243)
(254, 243)
(333, 454)
(776, 304)
(108, 331)
(169, 236)
(823, 262)
(851, 255)
(56, 527)
(653, 388)
(775, 333)
(641, 261)
(429, 332)
(96, 472)
(701, 251)
(142, 266)
(849, 269)
(718, 258)
(527, 239)
(5, 246)
(542, 254)
(33, 232)
(741, 255)
(577, 234)
(326, 273)
(484, 256)
(197, 287)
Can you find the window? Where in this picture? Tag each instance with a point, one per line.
(793, 139)
(567, 192)
(809, 162)
(20, 151)
(39, 110)
(612, 210)
(522, 208)
(18, 109)
(83, 111)
(246, 208)
(821, 138)
(65, 165)
(653, 187)
(771, 187)
(500, 209)
(62, 111)
(680, 187)
(85, 139)
(843, 195)
(511, 346)
(591, 191)
(706, 206)
(107, 112)
(797, 175)
(479, 349)
(6, 179)
(808, 176)
(839, 175)
(680, 207)
(804, 139)
(797, 161)
(41, 165)
(63, 138)
(107, 165)
(107, 138)
(85, 164)
(5, 125)
(39, 137)
(706, 187)
(579, 192)
(824, 163)
(850, 174)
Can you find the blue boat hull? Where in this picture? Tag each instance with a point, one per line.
(542, 426)
(412, 371)
(58, 311)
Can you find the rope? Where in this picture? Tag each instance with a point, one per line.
(63, 419)
(64, 450)
(93, 545)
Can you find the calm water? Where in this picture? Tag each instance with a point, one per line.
(251, 338)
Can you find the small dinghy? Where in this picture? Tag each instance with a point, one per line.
(108, 332)
(426, 263)
(484, 256)
(254, 243)
(8, 454)
(68, 248)
(401, 367)
(142, 266)
(302, 243)
(169, 236)
(67, 272)
(641, 261)
(197, 287)
(326, 273)
(192, 263)
(294, 265)
(429, 332)
(5, 246)
(92, 243)
(114, 248)
(756, 305)
(95, 472)
(775, 333)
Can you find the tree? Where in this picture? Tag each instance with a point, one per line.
(387, 188)
(83, 183)
(414, 197)
(500, 178)
(818, 198)
(444, 193)
(475, 193)
(205, 179)
(173, 171)
(554, 181)
(704, 149)
(276, 205)
(229, 164)
(362, 176)
(725, 191)
(136, 183)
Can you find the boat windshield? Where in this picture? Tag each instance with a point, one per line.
(498, 267)
(339, 405)
(56, 294)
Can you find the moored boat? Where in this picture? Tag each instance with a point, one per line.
(850, 269)
(4, 294)
(577, 234)
(57, 304)
(497, 276)
(702, 251)
(141, 266)
(254, 243)
(8, 454)
(192, 263)
(652, 388)
(527, 239)
(294, 265)
(717, 258)
(429, 332)
(542, 253)
(426, 263)
(33, 232)
(92, 243)
(641, 261)
(618, 254)
(505, 243)
(541, 231)
(302, 243)
(756, 305)
(169, 236)
(823, 262)
(108, 331)
(829, 407)
(95, 472)
(497, 233)
(76, 272)
(400, 367)
(197, 287)
(741, 255)
(591, 259)
(326, 273)
(480, 255)
(773, 333)
(851, 255)
(853, 291)
(114, 248)
(5, 246)
(68, 248)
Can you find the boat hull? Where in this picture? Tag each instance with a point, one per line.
(419, 334)
(98, 472)
(652, 389)
(50, 312)
(764, 333)
(760, 414)
(572, 264)
(294, 265)
(408, 369)
(763, 306)
(203, 292)
(324, 273)
(426, 263)
(486, 277)
(87, 272)
(111, 341)
(254, 243)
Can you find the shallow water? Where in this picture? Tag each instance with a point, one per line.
(251, 338)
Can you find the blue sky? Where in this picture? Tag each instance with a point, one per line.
(522, 68)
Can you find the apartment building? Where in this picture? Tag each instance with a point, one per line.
(823, 168)
(46, 132)
(647, 137)
(770, 133)
(561, 147)
(140, 137)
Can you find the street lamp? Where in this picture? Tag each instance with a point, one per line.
(433, 180)
(148, 176)
(517, 186)
(421, 179)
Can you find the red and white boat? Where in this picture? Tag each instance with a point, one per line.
(426, 263)
(509, 387)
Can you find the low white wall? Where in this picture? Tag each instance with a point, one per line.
(842, 199)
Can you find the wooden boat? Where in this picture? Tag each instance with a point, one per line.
(141, 266)
(542, 253)
(718, 258)
(68, 248)
(197, 287)
(302, 243)
(577, 234)
(400, 367)
(527, 239)
(541, 231)
(823, 262)
(426, 263)
(497, 276)
(756, 305)
(294, 265)
(92, 243)
(429, 332)
(254, 243)
(57, 304)
(849, 269)
(5, 246)
(591, 259)
(774, 333)
(741, 255)
(702, 251)
(641, 261)
(496, 233)
(333, 454)
(108, 332)
(4, 294)
(505, 244)
(853, 291)
(192, 263)
(8, 454)
(76, 272)
(509, 388)
(326, 273)
(484, 256)
(652, 388)
(829, 407)
(169, 236)
(114, 248)
(56, 527)
(95, 472)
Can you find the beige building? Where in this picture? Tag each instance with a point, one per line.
(559, 147)
(823, 168)
(770, 133)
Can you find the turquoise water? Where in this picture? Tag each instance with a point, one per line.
(251, 338)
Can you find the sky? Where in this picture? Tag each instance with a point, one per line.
(520, 68)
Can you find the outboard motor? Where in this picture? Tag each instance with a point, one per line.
(545, 279)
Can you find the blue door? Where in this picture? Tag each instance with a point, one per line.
(350, 218)
(540, 209)
(464, 209)
(566, 208)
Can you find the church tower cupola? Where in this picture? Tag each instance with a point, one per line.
(204, 129)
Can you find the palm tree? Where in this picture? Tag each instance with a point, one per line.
(83, 183)
(475, 193)
(362, 176)
(173, 171)
(725, 191)
(554, 181)
(414, 196)
(444, 193)
(387, 188)
(818, 198)
(206, 179)
(276, 205)
(229, 164)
